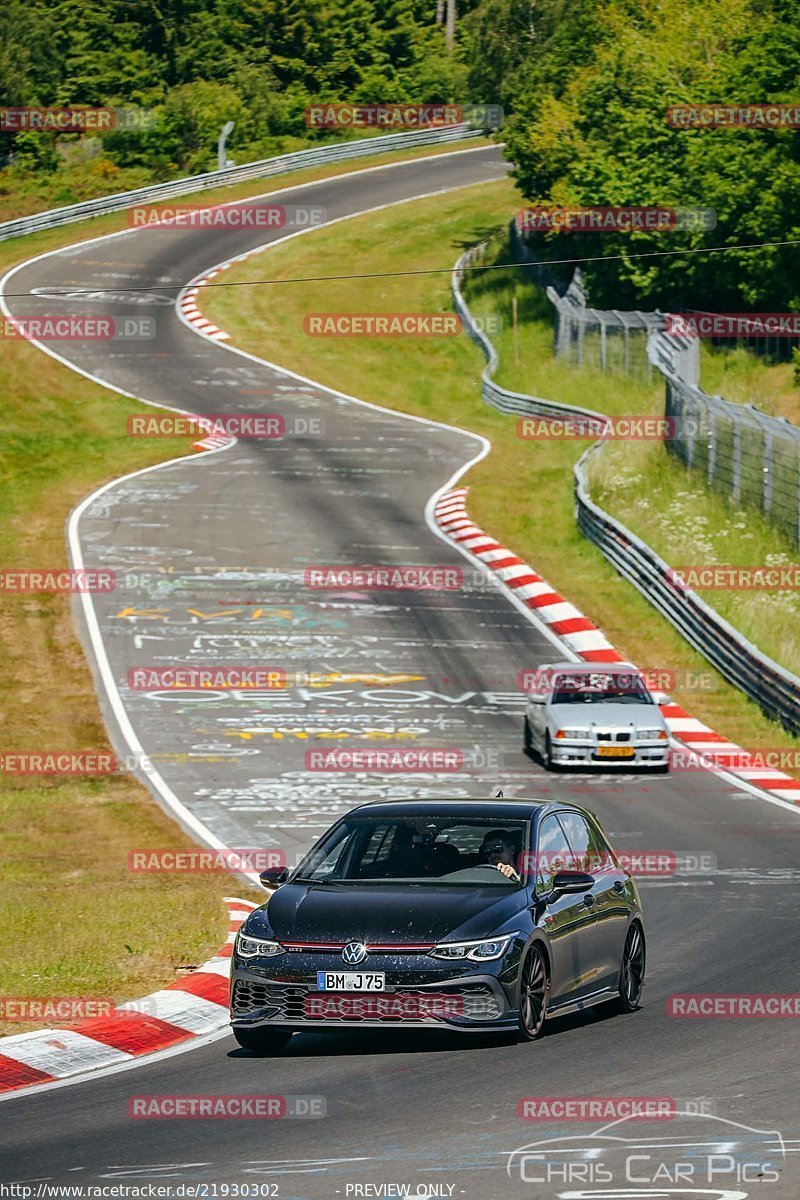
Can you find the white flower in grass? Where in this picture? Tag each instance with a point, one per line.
(777, 560)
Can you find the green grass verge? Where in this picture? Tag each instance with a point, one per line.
(521, 493)
(66, 839)
(742, 378)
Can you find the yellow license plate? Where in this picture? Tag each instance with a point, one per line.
(615, 752)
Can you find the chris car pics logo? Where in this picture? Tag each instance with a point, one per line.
(699, 1155)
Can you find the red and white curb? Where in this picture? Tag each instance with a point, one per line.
(590, 643)
(188, 304)
(190, 1007)
(188, 308)
(212, 441)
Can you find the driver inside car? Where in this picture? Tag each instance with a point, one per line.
(499, 849)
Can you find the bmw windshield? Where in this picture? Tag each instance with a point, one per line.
(600, 688)
(427, 850)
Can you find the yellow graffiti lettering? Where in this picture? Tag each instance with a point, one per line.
(336, 678)
(157, 613)
(225, 612)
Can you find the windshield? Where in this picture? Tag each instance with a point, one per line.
(600, 688)
(443, 850)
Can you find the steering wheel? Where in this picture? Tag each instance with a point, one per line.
(492, 867)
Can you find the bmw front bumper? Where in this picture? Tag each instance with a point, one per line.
(583, 753)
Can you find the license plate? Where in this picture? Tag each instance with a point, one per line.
(615, 752)
(351, 981)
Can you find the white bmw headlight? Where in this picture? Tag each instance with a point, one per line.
(483, 951)
(573, 733)
(250, 947)
(653, 735)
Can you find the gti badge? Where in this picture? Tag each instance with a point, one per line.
(354, 952)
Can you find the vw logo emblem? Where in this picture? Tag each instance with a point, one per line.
(354, 952)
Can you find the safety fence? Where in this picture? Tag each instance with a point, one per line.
(750, 456)
(772, 687)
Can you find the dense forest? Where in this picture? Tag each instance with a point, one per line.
(585, 87)
(588, 85)
(200, 63)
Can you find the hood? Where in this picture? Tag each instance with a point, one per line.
(604, 716)
(302, 912)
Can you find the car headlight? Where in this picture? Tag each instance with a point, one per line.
(250, 947)
(483, 951)
(653, 735)
(573, 733)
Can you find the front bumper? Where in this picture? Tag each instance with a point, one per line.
(276, 993)
(583, 753)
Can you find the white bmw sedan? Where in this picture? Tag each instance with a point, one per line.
(589, 715)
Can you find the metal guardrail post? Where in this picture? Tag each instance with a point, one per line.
(736, 489)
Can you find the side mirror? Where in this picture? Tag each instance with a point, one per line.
(661, 698)
(273, 877)
(536, 698)
(567, 883)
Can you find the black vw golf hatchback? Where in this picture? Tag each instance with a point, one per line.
(469, 915)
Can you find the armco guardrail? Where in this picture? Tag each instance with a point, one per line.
(502, 398)
(339, 152)
(772, 687)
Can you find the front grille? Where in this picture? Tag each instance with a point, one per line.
(251, 996)
(372, 947)
(285, 1002)
(624, 737)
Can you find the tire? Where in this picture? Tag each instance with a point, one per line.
(263, 1040)
(631, 974)
(534, 993)
(547, 757)
(527, 738)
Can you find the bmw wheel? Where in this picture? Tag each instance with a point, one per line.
(527, 737)
(263, 1040)
(534, 992)
(547, 758)
(631, 976)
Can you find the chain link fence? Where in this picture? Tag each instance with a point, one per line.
(611, 339)
(750, 456)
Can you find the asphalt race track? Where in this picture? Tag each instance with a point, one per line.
(211, 553)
